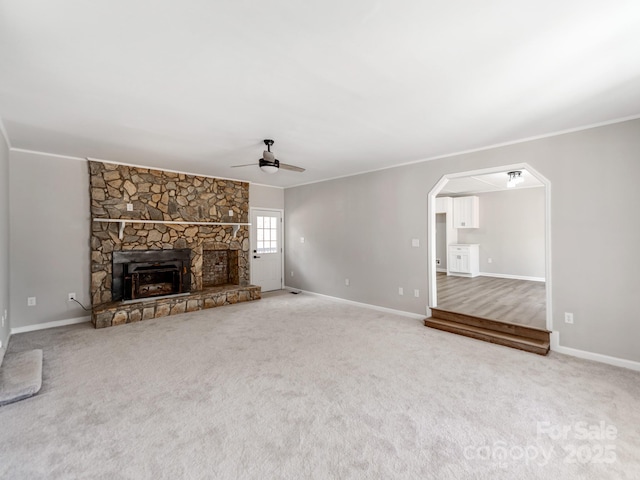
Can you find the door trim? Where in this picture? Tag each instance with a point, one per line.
(280, 232)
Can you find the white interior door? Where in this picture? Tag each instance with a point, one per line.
(266, 249)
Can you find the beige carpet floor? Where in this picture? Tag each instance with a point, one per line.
(301, 387)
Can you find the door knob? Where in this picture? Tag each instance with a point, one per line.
(256, 256)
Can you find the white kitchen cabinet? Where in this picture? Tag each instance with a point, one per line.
(443, 205)
(466, 212)
(463, 260)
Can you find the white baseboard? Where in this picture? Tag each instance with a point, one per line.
(441, 270)
(597, 357)
(57, 323)
(512, 277)
(364, 305)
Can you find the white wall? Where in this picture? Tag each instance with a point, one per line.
(4, 240)
(511, 232)
(264, 196)
(49, 237)
(361, 227)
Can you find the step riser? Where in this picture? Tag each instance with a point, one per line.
(487, 337)
(494, 325)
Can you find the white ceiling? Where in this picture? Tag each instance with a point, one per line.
(342, 86)
(489, 182)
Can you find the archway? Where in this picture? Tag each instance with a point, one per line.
(431, 222)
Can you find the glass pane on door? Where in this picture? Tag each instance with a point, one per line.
(267, 234)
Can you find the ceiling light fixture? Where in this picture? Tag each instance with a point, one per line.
(268, 168)
(515, 178)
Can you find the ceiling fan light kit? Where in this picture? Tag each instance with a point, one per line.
(269, 167)
(269, 163)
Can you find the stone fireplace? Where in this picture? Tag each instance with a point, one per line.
(219, 267)
(165, 243)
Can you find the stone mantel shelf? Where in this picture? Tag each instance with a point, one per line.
(124, 221)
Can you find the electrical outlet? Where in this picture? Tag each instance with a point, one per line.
(129, 207)
(231, 213)
(346, 282)
(292, 273)
(31, 301)
(72, 297)
(489, 260)
(301, 239)
(568, 317)
(415, 242)
(400, 291)
(416, 293)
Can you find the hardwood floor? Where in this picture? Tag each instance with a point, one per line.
(515, 301)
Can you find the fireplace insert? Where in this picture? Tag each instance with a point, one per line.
(150, 273)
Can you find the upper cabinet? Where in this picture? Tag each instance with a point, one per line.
(443, 205)
(466, 212)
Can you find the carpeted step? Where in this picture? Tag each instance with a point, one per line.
(20, 376)
(534, 345)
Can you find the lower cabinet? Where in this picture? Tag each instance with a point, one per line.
(463, 260)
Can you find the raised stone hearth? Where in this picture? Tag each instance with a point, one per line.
(193, 206)
(118, 313)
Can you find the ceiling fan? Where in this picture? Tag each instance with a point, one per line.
(269, 163)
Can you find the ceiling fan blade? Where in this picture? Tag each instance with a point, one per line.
(293, 168)
(245, 165)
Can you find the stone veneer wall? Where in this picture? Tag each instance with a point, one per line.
(160, 195)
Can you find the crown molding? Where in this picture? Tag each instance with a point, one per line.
(480, 149)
